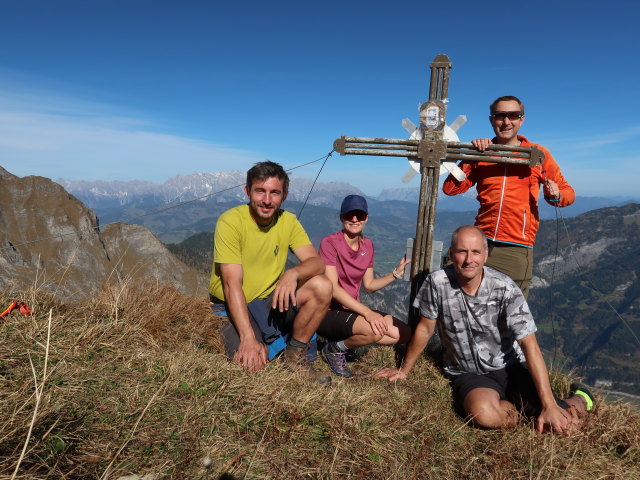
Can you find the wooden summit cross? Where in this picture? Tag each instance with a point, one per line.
(431, 151)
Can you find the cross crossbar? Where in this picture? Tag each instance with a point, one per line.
(396, 147)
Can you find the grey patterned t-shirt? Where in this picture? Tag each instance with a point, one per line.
(478, 334)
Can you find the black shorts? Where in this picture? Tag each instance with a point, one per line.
(338, 324)
(513, 383)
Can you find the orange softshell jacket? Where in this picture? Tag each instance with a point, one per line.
(508, 195)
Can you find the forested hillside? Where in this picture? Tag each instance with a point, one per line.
(588, 306)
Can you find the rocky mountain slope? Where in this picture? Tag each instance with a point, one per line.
(50, 240)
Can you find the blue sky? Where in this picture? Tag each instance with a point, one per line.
(123, 90)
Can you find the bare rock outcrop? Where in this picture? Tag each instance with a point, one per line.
(50, 240)
(135, 252)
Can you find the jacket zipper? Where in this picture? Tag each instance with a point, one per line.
(504, 182)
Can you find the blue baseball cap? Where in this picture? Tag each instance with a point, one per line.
(353, 202)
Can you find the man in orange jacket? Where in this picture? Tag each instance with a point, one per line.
(508, 194)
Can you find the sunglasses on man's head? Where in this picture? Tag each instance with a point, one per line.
(509, 115)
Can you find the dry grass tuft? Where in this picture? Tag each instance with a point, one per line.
(170, 318)
(136, 384)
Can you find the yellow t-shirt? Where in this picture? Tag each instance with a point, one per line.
(262, 251)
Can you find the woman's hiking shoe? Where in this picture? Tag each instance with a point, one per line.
(581, 390)
(336, 360)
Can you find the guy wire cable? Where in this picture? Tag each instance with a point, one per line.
(314, 183)
(553, 273)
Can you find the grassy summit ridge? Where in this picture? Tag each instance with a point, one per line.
(136, 384)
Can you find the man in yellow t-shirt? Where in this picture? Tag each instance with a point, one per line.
(251, 244)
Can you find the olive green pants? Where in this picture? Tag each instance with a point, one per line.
(514, 261)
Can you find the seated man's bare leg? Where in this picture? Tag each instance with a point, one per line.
(486, 409)
(312, 299)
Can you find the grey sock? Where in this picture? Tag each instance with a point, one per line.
(337, 347)
(341, 346)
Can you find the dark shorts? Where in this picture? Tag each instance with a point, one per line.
(513, 383)
(338, 324)
(230, 337)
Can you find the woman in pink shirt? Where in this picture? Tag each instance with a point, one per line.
(348, 257)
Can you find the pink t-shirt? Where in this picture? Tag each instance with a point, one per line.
(350, 264)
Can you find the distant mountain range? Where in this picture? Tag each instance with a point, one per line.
(468, 202)
(221, 187)
(136, 201)
(226, 187)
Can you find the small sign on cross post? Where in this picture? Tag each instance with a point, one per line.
(431, 151)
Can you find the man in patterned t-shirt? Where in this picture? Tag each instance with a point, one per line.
(490, 351)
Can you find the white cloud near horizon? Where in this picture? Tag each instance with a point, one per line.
(604, 138)
(617, 181)
(604, 164)
(607, 144)
(62, 137)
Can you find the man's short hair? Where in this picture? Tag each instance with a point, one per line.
(263, 170)
(454, 235)
(506, 98)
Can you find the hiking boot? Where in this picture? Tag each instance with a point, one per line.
(296, 360)
(581, 390)
(337, 361)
